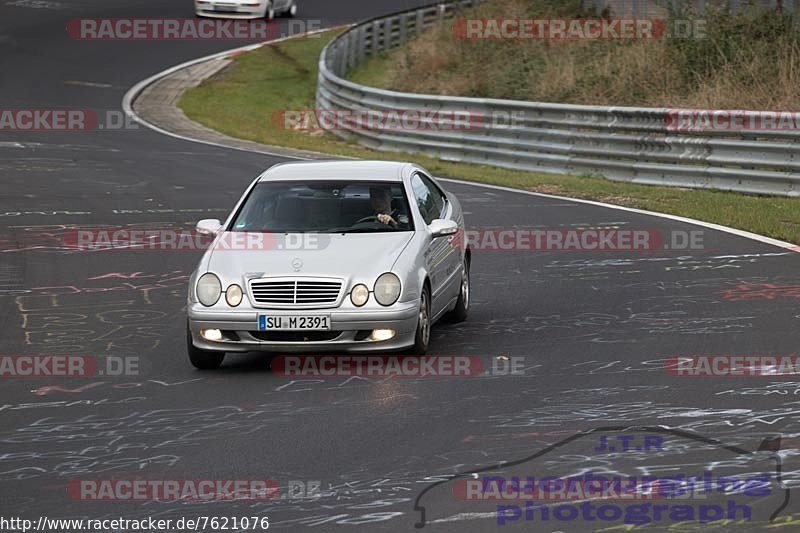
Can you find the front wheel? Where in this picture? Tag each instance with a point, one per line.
(292, 12)
(423, 335)
(202, 359)
(269, 14)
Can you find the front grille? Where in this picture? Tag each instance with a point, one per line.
(296, 292)
(296, 336)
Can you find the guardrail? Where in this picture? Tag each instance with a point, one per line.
(621, 143)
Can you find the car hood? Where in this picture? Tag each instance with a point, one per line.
(359, 256)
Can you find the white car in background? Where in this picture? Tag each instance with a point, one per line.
(245, 9)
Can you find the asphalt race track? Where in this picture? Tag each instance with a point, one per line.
(592, 329)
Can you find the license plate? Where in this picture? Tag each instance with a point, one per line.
(225, 9)
(294, 322)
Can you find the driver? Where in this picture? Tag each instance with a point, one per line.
(381, 200)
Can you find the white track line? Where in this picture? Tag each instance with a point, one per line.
(133, 92)
(709, 225)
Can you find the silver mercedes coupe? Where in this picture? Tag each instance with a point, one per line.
(327, 256)
(245, 9)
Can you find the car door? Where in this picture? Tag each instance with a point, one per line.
(441, 257)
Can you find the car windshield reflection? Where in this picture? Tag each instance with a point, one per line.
(325, 207)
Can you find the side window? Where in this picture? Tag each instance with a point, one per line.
(429, 197)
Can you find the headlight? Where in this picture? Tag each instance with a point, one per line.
(387, 289)
(233, 295)
(359, 295)
(208, 289)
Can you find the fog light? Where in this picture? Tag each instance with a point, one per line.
(382, 334)
(211, 334)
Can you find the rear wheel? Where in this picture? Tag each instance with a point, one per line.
(292, 12)
(202, 359)
(423, 335)
(461, 310)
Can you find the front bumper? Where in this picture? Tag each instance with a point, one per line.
(241, 11)
(240, 329)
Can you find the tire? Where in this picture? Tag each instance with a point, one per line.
(292, 12)
(270, 13)
(202, 359)
(422, 337)
(461, 310)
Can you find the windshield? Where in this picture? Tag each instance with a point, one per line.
(324, 207)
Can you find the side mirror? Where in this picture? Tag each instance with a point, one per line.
(443, 228)
(208, 226)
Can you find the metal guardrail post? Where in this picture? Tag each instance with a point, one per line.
(403, 28)
(362, 44)
(419, 26)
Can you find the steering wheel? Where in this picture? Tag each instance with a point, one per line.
(374, 218)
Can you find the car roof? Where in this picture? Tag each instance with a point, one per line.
(347, 170)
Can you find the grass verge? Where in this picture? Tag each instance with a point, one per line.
(246, 100)
(728, 60)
